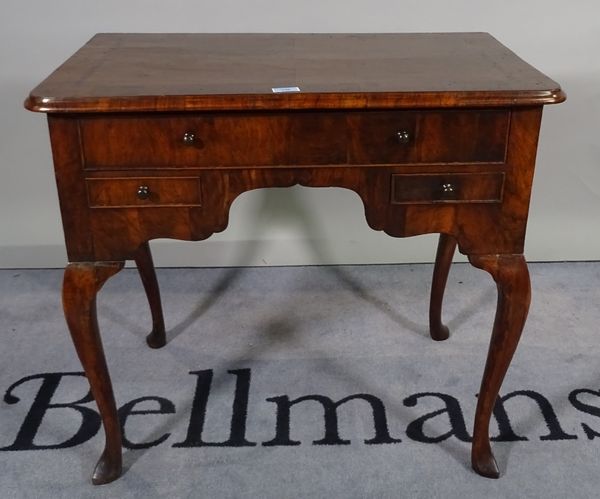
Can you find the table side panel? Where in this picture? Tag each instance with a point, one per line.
(68, 168)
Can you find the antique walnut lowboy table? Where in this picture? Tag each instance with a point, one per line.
(154, 136)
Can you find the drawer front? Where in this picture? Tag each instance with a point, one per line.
(429, 137)
(294, 139)
(143, 192)
(213, 140)
(447, 188)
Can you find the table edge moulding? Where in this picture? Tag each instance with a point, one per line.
(155, 135)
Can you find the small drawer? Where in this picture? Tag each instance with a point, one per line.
(447, 188)
(142, 192)
(437, 137)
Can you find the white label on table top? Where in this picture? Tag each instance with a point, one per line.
(283, 90)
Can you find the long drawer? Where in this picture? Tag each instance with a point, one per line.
(297, 139)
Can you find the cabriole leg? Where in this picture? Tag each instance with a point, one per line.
(143, 260)
(514, 294)
(82, 281)
(443, 261)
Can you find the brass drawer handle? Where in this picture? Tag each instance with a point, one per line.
(143, 192)
(448, 191)
(189, 138)
(403, 136)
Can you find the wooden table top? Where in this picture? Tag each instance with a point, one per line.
(177, 72)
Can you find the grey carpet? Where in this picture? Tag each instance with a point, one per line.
(328, 331)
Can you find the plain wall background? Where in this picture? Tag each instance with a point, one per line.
(302, 225)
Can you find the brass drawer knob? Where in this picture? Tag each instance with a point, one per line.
(403, 136)
(143, 192)
(189, 138)
(448, 191)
